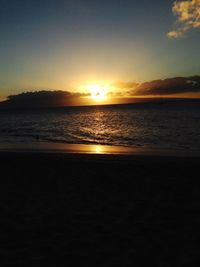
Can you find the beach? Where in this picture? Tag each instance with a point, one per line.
(99, 209)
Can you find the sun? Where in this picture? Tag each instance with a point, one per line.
(97, 92)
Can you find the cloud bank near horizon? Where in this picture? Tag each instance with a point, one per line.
(172, 86)
(188, 17)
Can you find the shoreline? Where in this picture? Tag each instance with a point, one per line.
(88, 149)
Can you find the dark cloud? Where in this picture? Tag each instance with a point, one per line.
(43, 99)
(169, 86)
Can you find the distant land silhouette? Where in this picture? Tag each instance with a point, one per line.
(41, 99)
(156, 91)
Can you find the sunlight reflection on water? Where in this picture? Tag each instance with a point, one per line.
(157, 127)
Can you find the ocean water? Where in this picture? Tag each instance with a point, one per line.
(152, 126)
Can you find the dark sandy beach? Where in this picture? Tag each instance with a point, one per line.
(99, 210)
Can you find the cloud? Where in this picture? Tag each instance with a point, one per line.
(2, 98)
(188, 17)
(43, 99)
(170, 86)
(122, 89)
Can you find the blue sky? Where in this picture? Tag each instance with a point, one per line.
(59, 44)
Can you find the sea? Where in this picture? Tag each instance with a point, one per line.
(161, 125)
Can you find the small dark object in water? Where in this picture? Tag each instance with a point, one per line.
(37, 137)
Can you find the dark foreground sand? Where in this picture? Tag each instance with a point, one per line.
(98, 210)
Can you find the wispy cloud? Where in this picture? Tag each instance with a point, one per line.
(188, 17)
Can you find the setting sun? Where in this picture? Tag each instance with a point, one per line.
(98, 92)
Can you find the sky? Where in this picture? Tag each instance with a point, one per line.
(68, 44)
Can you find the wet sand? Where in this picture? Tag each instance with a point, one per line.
(87, 149)
(98, 209)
